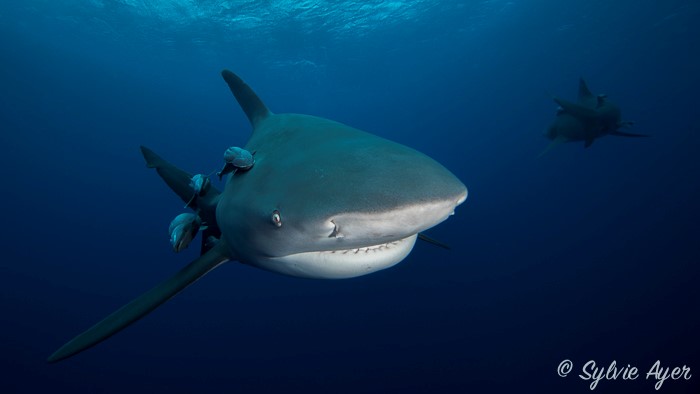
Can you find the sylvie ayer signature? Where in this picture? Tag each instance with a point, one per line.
(594, 373)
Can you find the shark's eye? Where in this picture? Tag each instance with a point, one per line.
(276, 218)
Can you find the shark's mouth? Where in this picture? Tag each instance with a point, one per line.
(344, 263)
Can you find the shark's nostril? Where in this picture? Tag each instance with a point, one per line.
(336, 231)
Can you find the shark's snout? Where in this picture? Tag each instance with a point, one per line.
(363, 228)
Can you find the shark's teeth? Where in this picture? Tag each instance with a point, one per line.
(343, 263)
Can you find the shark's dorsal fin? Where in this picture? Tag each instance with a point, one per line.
(254, 108)
(576, 110)
(584, 94)
(144, 304)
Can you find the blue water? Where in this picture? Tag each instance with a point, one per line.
(583, 254)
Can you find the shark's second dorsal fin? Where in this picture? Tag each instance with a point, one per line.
(584, 94)
(144, 304)
(254, 108)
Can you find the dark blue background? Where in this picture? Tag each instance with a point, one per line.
(583, 254)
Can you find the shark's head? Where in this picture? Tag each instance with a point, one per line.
(327, 201)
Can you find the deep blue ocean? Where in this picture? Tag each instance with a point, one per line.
(581, 254)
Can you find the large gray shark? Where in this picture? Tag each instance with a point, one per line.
(323, 200)
(593, 116)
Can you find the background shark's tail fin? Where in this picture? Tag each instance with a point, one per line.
(142, 305)
(254, 108)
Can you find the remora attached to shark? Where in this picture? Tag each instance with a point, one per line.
(323, 200)
(590, 118)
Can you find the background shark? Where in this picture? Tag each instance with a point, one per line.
(589, 118)
(323, 200)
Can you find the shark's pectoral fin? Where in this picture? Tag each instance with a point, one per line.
(433, 241)
(177, 179)
(588, 142)
(576, 110)
(181, 183)
(144, 304)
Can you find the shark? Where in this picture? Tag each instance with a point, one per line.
(323, 200)
(590, 118)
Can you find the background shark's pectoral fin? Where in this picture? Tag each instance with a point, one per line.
(576, 110)
(144, 304)
(626, 123)
(625, 134)
(589, 141)
(433, 241)
(555, 142)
